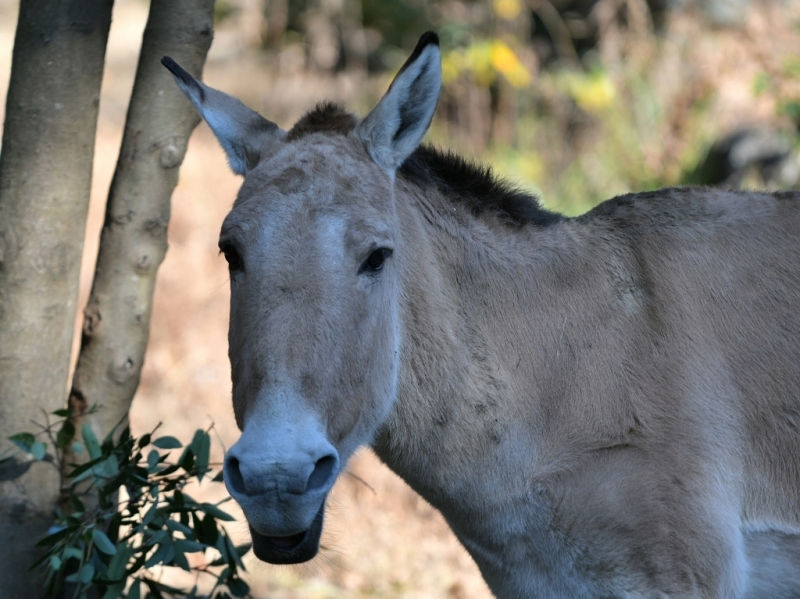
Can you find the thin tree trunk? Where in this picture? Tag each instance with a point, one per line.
(134, 238)
(45, 181)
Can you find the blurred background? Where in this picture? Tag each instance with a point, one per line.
(576, 100)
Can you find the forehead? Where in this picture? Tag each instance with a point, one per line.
(320, 174)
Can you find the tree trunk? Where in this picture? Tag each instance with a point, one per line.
(45, 180)
(134, 238)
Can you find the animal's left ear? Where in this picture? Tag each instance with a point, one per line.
(396, 126)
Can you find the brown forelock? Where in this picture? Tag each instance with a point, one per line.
(326, 117)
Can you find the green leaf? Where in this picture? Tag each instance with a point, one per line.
(222, 547)
(179, 526)
(89, 438)
(242, 549)
(189, 546)
(116, 567)
(102, 542)
(150, 515)
(152, 459)
(23, 441)
(52, 539)
(238, 587)
(112, 529)
(206, 529)
(86, 573)
(169, 470)
(65, 413)
(220, 477)
(111, 466)
(81, 469)
(55, 562)
(213, 510)
(77, 504)
(162, 555)
(77, 447)
(65, 434)
(167, 443)
(160, 537)
(38, 450)
(135, 591)
(234, 555)
(186, 460)
(73, 552)
(201, 445)
(144, 441)
(180, 560)
(115, 591)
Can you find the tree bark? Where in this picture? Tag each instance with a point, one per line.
(134, 237)
(45, 181)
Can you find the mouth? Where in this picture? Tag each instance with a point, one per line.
(294, 549)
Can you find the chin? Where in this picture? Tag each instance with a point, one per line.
(294, 549)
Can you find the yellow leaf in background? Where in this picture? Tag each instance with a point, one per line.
(507, 9)
(478, 59)
(483, 60)
(506, 62)
(452, 64)
(593, 93)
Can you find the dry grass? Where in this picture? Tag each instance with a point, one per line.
(381, 539)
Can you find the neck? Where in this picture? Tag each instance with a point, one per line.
(481, 327)
(489, 362)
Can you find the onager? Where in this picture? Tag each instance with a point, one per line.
(601, 406)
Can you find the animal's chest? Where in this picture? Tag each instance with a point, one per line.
(552, 573)
(523, 552)
(534, 565)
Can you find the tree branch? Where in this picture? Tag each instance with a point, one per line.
(45, 181)
(134, 237)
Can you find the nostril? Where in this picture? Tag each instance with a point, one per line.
(322, 472)
(233, 475)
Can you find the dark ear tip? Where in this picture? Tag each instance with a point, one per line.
(179, 71)
(173, 66)
(427, 38)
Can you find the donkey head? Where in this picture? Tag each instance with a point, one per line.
(315, 250)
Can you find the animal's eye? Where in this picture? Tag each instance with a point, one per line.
(232, 256)
(374, 262)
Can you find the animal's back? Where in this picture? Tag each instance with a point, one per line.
(716, 277)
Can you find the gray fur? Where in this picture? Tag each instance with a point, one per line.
(605, 406)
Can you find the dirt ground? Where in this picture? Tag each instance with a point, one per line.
(381, 539)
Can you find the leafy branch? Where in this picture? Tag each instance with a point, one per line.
(139, 516)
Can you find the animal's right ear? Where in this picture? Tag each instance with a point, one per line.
(396, 126)
(244, 134)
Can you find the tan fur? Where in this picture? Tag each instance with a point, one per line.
(632, 374)
(604, 406)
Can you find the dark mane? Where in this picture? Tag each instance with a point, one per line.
(461, 180)
(476, 186)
